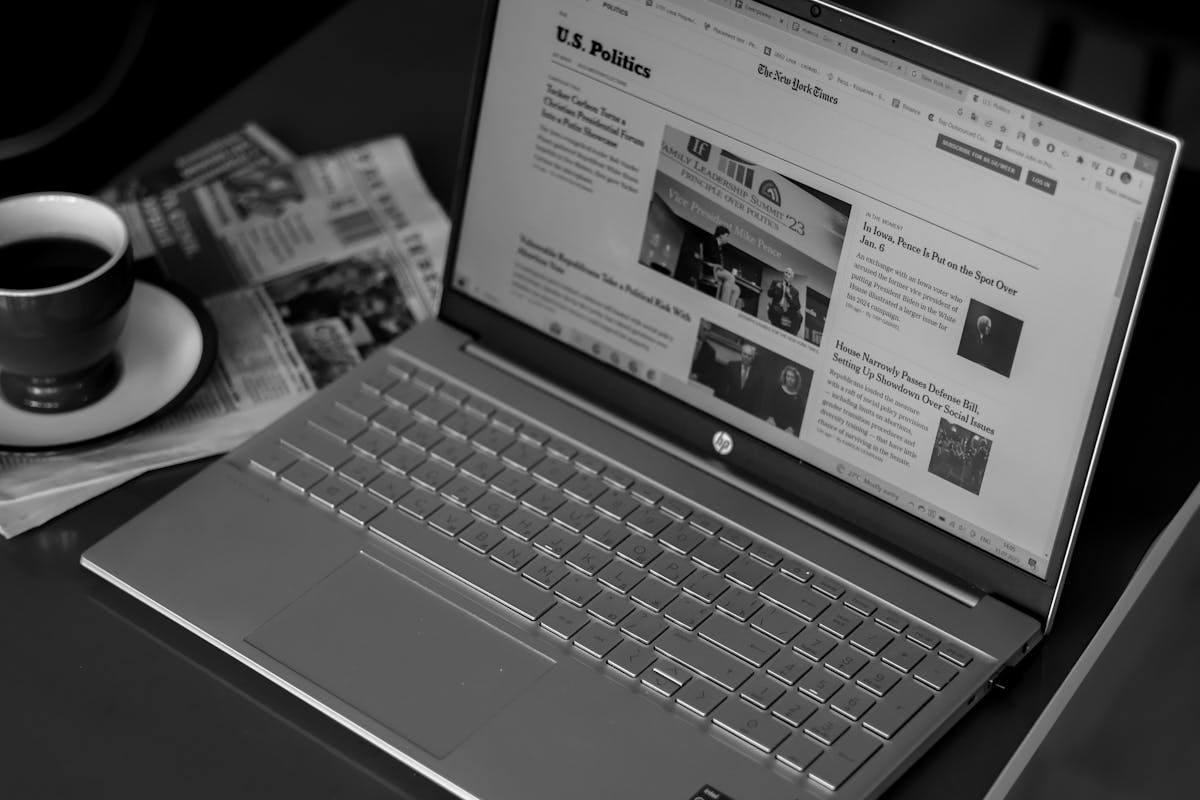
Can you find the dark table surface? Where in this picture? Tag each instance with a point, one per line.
(101, 696)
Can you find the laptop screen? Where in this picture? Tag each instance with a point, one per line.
(890, 275)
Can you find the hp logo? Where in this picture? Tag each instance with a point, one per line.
(722, 443)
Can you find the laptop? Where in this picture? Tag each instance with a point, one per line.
(751, 440)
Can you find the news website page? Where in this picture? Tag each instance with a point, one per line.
(830, 249)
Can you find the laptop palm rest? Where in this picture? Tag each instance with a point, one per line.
(417, 664)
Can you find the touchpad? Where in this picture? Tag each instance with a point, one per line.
(394, 650)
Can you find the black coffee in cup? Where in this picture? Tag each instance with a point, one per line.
(65, 281)
(48, 261)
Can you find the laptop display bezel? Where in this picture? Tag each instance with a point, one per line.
(887, 527)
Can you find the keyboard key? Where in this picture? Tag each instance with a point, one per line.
(676, 508)
(493, 508)
(700, 697)
(793, 709)
(331, 491)
(630, 658)
(659, 683)
(653, 594)
(878, 679)
(463, 425)
(512, 554)
(433, 410)
(576, 589)
(846, 661)
(455, 394)
(338, 423)
(379, 381)
(361, 508)
(479, 406)
(481, 467)
(556, 541)
(553, 471)
(761, 691)
(361, 404)
(705, 585)
(272, 459)
(390, 486)
(618, 478)
(708, 524)
(861, 603)
(426, 379)
(482, 538)
(597, 640)
(892, 621)
(403, 459)
(787, 667)
(544, 571)
(704, 659)
(839, 621)
(748, 573)
(840, 762)
(935, 672)
(584, 488)
(521, 455)
(903, 655)
(522, 523)
(589, 463)
(852, 702)
(609, 608)
(796, 570)
(687, 613)
(643, 626)
(731, 536)
(561, 448)
(871, 639)
(588, 559)
(319, 447)
(639, 551)
(891, 713)
(671, 568)
(714, 555)
(606, 534)
(511, 484)
(542, 499)
(405, 394)
(798, 752)
(814, 644)
(535, 435)
(647, 521)
(506, 420)
(766, 554)
(393, 421)
(825, 726)
(829, 587)
(504, 587)
(620, 577)
(755, 727)
(681, 538)
(431, 475)
(645, 492)
(617, 505)
(672, 671)
(794, 597)
(492, 440)
(573, 516)
(738, 639)
(420, 503)
(924, 637)
(373, 442)
(739, 604)
(359, 470)
(401, 366)
(819, 685)
(564, 621)
(956, 654)
(450, 520)
(451, 452)
(421, 436)
(777, 623)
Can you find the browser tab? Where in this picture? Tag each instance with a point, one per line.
(938, 83)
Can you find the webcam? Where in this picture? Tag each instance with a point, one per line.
(815, 10)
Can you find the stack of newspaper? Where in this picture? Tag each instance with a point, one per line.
(306, 265)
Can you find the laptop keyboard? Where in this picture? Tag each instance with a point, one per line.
(767, 647)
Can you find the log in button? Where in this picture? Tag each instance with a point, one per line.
(1039, 181)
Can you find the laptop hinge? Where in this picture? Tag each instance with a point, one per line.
(955, 590)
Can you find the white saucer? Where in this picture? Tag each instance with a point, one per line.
(164, 351)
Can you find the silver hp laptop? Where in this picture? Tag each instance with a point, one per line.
(751, 441)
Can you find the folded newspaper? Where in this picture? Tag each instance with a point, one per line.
(305, 265)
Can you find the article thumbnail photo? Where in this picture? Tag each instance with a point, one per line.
(743, 235)
(748, 376)
(266, 191)
(960, 455)
(989, 337)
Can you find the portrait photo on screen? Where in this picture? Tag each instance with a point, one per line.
(750, 377)
(744, 235)
(989, 337)
(960, 455)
